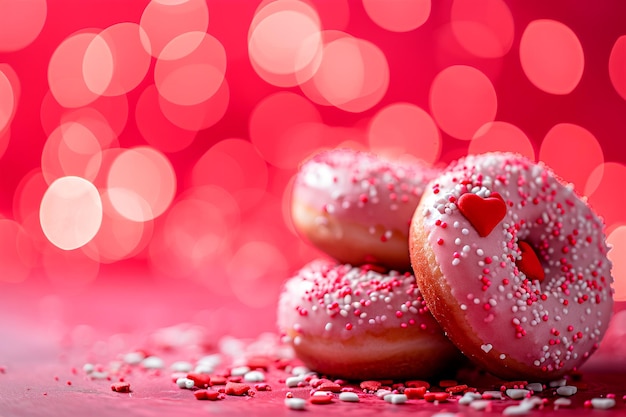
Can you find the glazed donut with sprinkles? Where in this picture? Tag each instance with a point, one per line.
(358, 323)
(357, 207)
(513, 265)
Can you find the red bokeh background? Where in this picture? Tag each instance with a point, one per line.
(163, 135)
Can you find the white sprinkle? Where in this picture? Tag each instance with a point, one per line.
(517, 393)
(134, 358)
(293, 381)
(396, 398)
(486, 347)
(465, 231)
(328, 327)
(558, 383)
(457, 241)
(381, 393)
(494, 395)
(300, 370)
(456, 261)
(463, 307)
(185, 383)
(349, 397)
(152, 362)
(603, 403)
(181, 366)
(502, 356)
(566, 390)
(99, 375)
(479, 404)
(535, 386)
(88, 368)
(239, 371)
(295, 403)
(322, 394)
(565, 402)
(204, 368)
(254, 376)
(516, 410)
(469, 397)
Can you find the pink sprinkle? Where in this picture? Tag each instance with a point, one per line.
(348, 326)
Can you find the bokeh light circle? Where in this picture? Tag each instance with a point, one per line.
(617, 242)
(156, 128)
(551, 56)
(70, 212)
(568, 142)
(617, 66)
(601, 190)
(7, 101)
(353, 74)
(503, 137)
(236, 166)
(462, 99)
(398, 15)
(190, 69)
(21, 23)
(71, 150)
(163, 21)
(115, 61)
(285, 39)
(273, 122)
(484, 28)
(201, 115)
(141, 183)
(118, 238)
(404, 128)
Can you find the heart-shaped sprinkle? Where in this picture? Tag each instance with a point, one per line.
(529, 263)
(483, 213)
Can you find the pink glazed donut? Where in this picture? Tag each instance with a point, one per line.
(513, 266)
(357, 323)
(357, 208)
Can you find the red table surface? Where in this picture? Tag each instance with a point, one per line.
(47, 339)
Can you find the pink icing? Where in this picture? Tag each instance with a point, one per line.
(551, 325)
(362, 188)
(340, 301)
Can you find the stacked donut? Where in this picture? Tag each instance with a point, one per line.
(509, 265)
(358, 313)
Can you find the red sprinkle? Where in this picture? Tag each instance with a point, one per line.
(415, 393)
(457, 389)
(120, 387)
(203, 394)
(236, 388)
(330, 386)
(436, 396)
(321, 399)
(370, 385)
(200, 380)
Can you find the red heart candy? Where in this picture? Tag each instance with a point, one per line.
(483, 213)
(529, 264)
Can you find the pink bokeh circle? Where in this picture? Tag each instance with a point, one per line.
(567, 142)
(404, 128)
(551, 56)
(462, 99)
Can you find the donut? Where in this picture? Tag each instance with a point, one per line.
(356, 207)
(357, 323)
(513, 265)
